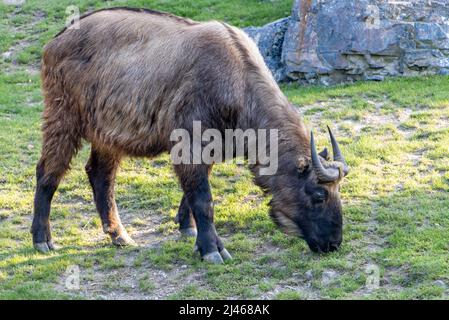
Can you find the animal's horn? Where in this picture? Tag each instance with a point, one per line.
(338, 156)
(323, 174)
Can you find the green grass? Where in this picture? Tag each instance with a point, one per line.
(394, 135)
(32, 25)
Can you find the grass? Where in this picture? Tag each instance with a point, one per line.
(394, 135)
(32, 25)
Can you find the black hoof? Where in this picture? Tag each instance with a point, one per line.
(44, 247)
(214, 258)
(225, 255)
(123, 240)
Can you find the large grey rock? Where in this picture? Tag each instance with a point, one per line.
(270, 40)
(333, 41)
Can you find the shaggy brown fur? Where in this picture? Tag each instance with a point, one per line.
(128, 77)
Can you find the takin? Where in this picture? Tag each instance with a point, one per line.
(126, 78)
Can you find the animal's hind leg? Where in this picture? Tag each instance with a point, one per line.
(47, 183)
(101, 170)
(60, 143)
(187, 225)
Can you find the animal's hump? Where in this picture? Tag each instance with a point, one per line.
(137, 10)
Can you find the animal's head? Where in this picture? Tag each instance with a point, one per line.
(308, 201)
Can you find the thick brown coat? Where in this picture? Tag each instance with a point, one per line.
(127, 78)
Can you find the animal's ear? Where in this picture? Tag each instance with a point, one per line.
(303, 164)
(325, 154)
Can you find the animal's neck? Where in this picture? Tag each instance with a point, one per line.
(270, 109)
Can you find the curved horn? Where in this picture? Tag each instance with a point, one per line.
(323, 174)
(338, 156)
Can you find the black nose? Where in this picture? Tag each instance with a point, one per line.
(334, 246)
(323, 247)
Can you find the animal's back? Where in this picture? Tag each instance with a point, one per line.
(130, 75)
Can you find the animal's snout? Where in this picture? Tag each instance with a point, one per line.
(324, 247)
(333, 246)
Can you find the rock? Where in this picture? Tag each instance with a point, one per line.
(333, 41)
(7, 55)
(14, 2)
(328, 276)
(425, 59)
(440, 283)
(309, 275)
(375, 78)
(270, 40)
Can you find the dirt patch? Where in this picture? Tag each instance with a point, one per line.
(304, 290)
(129, 280)
(314, 113)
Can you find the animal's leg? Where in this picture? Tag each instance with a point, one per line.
(187, 225)
(195, 183)
(101, 170)
(47, 183)
(185, 219)
(61, 141)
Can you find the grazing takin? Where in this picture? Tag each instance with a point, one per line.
(126, 78)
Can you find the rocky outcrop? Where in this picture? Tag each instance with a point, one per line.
(270, 40)
(334, 41)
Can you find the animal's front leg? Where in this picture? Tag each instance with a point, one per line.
(194, 180)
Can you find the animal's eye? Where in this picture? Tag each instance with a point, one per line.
(316, 193)
(319, 196)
